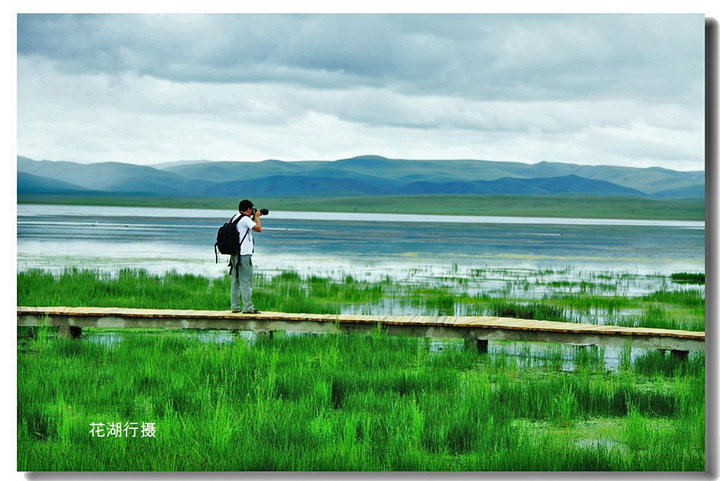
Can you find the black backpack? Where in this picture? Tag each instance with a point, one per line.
(227, 238)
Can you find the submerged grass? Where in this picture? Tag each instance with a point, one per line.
(290, 292)
(351, 402)
(688, 278)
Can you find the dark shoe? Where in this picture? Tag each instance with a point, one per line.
(236, 312)
(254, 311)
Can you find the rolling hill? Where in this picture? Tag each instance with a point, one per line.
(356, 176)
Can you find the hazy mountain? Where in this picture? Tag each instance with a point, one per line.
(569, 184)
(357, 176)
(29, 183)
(230, 171)
(297, 186)
(107, 176)
(649, 181)
(695, 191)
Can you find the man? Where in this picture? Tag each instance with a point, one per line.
(241, 272)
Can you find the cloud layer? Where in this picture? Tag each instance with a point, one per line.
(604, 89)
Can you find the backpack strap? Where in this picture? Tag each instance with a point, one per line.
(237, 271)
(246, 232)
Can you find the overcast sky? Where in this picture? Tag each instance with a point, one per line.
(586, 89)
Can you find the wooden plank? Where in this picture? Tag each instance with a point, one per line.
(479, 327)
(425, 321)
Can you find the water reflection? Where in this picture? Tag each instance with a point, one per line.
(567, 358)
(368, 247)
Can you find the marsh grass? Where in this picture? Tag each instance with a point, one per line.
(351, 402)
(534, 310)
(290, 292)
(688, 278)
(368, 402)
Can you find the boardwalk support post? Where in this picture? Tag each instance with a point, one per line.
(69, 332)
(678, 354)
(479, 345)
(264, 334)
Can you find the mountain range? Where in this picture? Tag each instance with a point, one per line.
(356, 176)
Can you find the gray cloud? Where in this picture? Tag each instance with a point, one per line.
(496, 56)
(618, 89)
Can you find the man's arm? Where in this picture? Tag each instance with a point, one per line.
(258, 227)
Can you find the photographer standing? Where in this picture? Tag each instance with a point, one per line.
(241, 272)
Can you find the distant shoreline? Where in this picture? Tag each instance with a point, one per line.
(594, 207)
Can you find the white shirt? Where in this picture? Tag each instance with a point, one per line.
(246, 224)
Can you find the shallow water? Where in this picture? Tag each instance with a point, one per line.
(495, 250)
(525, 354)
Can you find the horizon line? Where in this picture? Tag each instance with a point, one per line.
(155, 165)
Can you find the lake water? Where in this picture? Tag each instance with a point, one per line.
(366, 246)
(498, 256)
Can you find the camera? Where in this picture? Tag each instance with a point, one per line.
(262, 211)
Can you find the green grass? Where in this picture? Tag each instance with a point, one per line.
(286, 292)
(369, 402)
(493, 205)
(289, 292)
(373, 402)
(688, 278)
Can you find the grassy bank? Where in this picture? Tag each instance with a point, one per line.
(484, 205)
(351, 403)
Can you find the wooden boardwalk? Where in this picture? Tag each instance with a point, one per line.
(478, 329)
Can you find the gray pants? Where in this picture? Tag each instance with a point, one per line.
(241, 283)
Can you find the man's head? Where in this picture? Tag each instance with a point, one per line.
(244, 206)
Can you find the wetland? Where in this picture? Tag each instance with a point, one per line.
(230, 401)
